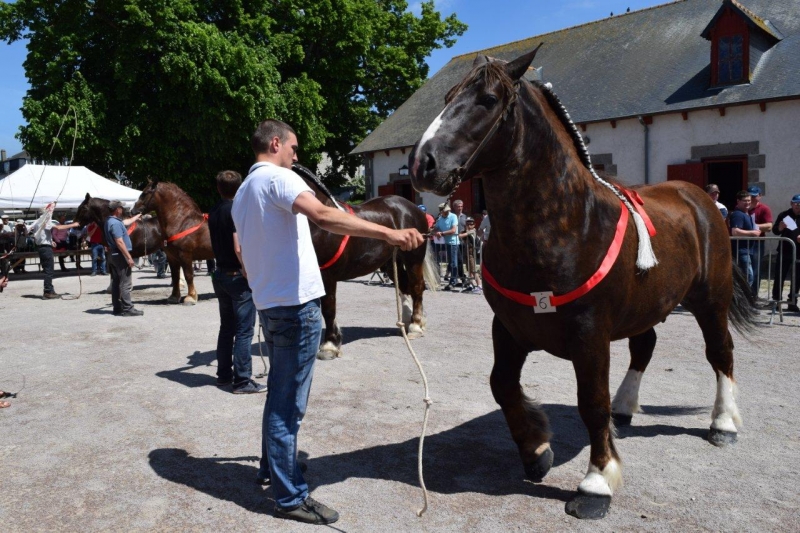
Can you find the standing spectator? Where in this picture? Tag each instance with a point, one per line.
(762, 217)
(742, 226)
(237, 313)
(95, 237)
(273, 207)
(485, 227)
(120, 261)
(42, 231)
(6, 235)
(470, 240)
(159, 260)
(75, 240)
(782, 229)
(458, 211)
(61, 240)
(21, 242)
(446, 227)
(429, 218)
(713, 191)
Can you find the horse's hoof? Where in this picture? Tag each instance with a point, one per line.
(414, 332)
(536, 470)
(621, 420)
(327, 355)
(188, 300)
(721, 438)
(173, 300)
(588, 506)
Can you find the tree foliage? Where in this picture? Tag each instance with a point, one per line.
(174, 88)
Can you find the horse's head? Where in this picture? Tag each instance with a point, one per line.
(82, 215)
(146, 201)
(475, 113)
(92, 210)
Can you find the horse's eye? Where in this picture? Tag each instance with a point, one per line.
(488, 101)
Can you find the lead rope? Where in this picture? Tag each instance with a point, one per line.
(427, 400)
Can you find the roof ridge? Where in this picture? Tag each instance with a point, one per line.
(570, 28)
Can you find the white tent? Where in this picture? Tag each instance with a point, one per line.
(66, 185)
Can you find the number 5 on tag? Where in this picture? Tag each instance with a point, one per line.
(543, 302)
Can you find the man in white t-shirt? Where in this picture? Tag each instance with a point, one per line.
(271, 212)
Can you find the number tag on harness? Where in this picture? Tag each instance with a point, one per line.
(543, 302)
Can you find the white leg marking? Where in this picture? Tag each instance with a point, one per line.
(414, 330)
(329, 347)
(725, 416)
(407, 310)
(602, 483)
(626, 401)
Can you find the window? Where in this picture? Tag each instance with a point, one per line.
(730, 67)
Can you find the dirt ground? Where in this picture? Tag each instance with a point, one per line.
(118, 425)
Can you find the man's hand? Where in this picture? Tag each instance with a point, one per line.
(781, 226)
(406, 239)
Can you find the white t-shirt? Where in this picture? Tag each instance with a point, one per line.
(278, 254)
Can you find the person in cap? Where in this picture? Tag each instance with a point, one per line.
(786, 259)
(446, 227)
(43, 237)
(120, 261)
(429, 218)
(762, 216)
(469, 238)
(743, 226)
(21, 242)
(713, 191)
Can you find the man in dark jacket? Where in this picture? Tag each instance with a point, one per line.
(783, 227)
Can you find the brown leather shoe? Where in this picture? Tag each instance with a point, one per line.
(51, 296)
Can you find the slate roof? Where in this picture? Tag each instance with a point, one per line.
(645, 62)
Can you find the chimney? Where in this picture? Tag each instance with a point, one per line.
(2, 155)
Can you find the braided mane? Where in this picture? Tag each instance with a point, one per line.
(306, 174)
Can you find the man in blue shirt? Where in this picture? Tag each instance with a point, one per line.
(447, 227)
(742, 225)
(120, 260)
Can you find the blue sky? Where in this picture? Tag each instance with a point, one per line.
(490, 23)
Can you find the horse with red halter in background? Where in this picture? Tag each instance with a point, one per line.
(343, 257)
(185, 230)
(564, 270)
(146, 235)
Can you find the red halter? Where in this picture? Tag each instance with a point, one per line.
(342, 245)
(597, 277)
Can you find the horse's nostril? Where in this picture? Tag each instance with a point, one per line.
(430, 163)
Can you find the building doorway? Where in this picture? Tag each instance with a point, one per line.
(731, 177)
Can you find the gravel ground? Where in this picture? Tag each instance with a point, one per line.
(120, 427)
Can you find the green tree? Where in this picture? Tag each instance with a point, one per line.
(174, 88)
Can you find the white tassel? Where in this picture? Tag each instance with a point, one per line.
(646, 258)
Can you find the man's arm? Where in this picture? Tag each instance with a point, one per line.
(124, 250)
(335, 221)
(238, 249)
(67, 226)
(131, 220)
(739, 232)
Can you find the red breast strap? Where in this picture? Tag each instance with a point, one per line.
(342, 245)
(188, 231)
(131, 228)
(597, 277)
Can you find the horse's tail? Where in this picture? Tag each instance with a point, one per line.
(430, 269)
(742, 312)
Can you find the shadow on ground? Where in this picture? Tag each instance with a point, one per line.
(476, 456)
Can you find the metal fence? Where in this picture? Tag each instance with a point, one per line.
(459, 265)
(772, 262)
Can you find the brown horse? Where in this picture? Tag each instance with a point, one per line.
(359, 256)
(564, 226)
(146, 236)
(185, 231)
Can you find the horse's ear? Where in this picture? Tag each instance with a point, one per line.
(480, 59)
(88, 196)
(517, 68)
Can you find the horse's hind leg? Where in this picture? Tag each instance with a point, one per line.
(529, 426)
(331, 347)
(725, 418)
(626, 400)
(175, 273)
(188, 271)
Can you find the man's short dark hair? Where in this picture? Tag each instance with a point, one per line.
(268, 130)
(228, 182)
(742, 195)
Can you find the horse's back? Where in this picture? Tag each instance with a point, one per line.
(394, 212)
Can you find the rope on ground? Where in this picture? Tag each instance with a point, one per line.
(427, 400)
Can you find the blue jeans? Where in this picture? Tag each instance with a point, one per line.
(743, 260)
(98, 258)
(756, 253)
(292, 336)
(452, 260)
(237, 316)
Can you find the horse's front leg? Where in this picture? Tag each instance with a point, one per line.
(331, 347)
(175, 274)
(528, 423)
(416, 286)
(590, 355)
(188, 272)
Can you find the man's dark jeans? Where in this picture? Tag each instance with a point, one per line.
(120, 283)
(46, 260)
(237, 314)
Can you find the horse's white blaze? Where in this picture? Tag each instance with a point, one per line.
(626, 401)
(725, 416)
(602, 482)
(428, 135)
